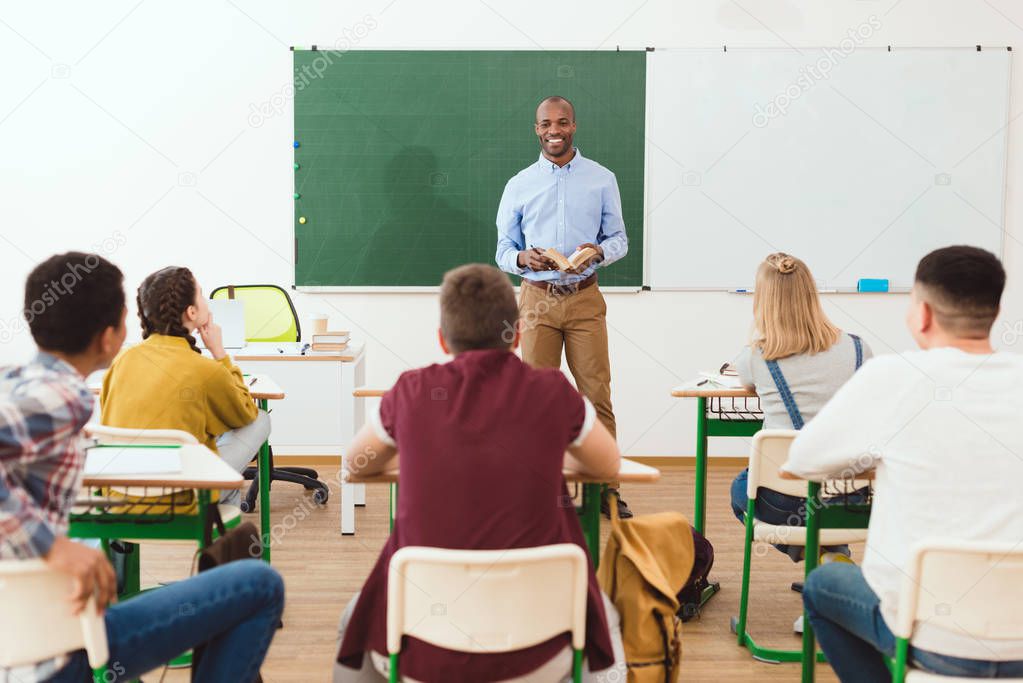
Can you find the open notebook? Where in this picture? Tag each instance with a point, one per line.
(118, 460)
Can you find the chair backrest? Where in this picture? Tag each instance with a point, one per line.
(487, 600)
(769, 451)
(38, 623)
(114, 435)
(967, 587)
(270, 315)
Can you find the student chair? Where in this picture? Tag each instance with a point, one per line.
(769, 451)
(38, 623)
(971, 588)
(270, 316)
(104, 434)
(481, 601)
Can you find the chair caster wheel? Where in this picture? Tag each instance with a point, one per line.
(320, 496)
(246, 506)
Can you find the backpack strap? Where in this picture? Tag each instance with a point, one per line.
(213, 519)
(786, 394)
(859, 350)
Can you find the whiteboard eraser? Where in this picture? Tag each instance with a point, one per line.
(867, 284)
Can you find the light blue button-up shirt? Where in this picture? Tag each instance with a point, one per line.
(545, 205)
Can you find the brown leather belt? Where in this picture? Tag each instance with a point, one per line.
(555, 289)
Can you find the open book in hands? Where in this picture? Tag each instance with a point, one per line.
(575, 262)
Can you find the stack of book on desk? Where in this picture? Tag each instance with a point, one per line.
(330, 341)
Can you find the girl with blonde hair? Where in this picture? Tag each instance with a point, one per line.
(797, 359)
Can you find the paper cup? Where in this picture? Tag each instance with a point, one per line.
(318, 323)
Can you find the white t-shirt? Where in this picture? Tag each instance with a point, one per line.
(944, 430)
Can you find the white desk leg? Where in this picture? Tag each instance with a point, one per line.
(353, 414)
(348, 508)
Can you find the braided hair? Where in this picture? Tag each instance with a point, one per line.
(163, 298)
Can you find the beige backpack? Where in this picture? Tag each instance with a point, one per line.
(646, 562)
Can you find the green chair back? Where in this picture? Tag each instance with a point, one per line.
(269, 312)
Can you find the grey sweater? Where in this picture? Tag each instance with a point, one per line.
(812, 378)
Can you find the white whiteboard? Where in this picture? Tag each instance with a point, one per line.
(891, 155)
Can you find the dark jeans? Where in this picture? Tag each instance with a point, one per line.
(234, 608)
(776, 508)
(846, 616)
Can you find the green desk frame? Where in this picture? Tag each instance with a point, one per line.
(263, 467)
(819, 517)
(707, 427)
(589, 519)
(182, 527)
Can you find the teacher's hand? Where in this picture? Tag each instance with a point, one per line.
(596, 259)
(535, 260)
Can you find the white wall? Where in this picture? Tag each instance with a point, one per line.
(134, 129)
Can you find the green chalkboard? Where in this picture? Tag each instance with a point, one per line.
(403, 155)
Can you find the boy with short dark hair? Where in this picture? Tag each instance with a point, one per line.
(943, 429)
(483, 441)
(74, 305)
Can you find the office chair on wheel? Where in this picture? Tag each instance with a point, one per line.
(270, 316)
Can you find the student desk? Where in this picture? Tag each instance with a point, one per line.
(263, 389)
(842, 516)
(202, 470)
(713, 420)
(629, 471)
(321, 415)
(362, 392)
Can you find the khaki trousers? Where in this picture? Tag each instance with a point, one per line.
(576, 321)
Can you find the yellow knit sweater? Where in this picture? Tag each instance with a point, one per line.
(163, 384)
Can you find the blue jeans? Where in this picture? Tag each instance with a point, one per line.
(234, 608)
(775, 508)
(846, 616)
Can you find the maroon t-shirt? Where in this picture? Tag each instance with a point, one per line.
(482, 441)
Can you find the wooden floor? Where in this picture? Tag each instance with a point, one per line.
(322, 569)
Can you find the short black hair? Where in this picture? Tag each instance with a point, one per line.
(964, 287)
(71, 298)
(477, 308)
(557, 99)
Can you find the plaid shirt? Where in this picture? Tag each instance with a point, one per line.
(43, 407)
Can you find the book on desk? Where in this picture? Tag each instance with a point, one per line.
(330, 341)
(127, 459)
